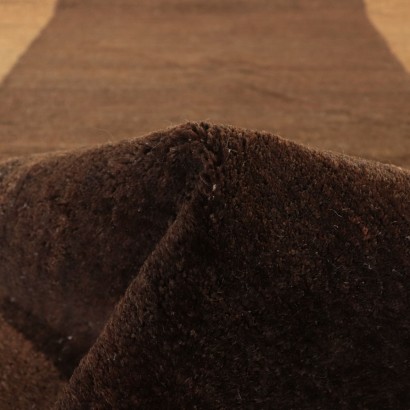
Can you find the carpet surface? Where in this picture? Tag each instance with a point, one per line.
(316, 72)
(208, 266)
(205, 266)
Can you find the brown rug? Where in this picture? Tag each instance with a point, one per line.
(28, 379)
(207, 267)
(315, 71)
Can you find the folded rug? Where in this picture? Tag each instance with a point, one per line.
(210, 267)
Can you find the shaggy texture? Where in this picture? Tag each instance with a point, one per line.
(211, 267)
(23, 369)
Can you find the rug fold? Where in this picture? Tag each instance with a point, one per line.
(207, 266)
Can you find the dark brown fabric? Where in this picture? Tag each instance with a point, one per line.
(211, 267)
(28, 380)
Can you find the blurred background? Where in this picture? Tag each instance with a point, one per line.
(332, 74)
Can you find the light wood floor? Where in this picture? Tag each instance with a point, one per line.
(20, 23)
(392, 20)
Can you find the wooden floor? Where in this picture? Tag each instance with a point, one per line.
(20, 23)
(392, 19)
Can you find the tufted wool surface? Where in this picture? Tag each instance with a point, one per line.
(210, 267)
